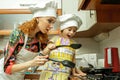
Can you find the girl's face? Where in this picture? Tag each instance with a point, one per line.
(45, 23)
(69, 32)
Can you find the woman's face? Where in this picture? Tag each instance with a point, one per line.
(69, 32)
(45, 23)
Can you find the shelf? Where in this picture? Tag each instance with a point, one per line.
(5, 32)
(97, 29)
(22, 11)
(1, 51)
(8, 32)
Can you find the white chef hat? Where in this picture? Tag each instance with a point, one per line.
(69, 20)
(44, 8)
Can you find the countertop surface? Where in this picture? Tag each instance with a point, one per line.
(32, 76)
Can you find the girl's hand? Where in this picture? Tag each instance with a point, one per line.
(80, 74)
(39, 60)
(49, 47)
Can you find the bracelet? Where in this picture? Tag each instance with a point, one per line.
(49, 42)
(40, 54)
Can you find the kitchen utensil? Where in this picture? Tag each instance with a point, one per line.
(66, 63)
(74, 46)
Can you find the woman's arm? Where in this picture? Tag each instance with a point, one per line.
(13, 49)
(37, 61)
(73, 70)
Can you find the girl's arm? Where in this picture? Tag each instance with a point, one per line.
(76, 71)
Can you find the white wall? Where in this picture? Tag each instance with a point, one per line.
(8, 20)
(69, 6)
(112, 41)
(88, 46)
(3, 41)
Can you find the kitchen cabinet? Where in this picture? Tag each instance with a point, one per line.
(107, 17)
(86, 5)
(105, 12)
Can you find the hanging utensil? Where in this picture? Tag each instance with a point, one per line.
(74, 46)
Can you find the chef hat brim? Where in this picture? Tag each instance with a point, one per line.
(69, 20)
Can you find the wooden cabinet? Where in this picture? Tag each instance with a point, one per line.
(107, 17)
(86, 5)
(105, 12)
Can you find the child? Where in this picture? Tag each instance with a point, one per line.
(69, 24)
(26, 41)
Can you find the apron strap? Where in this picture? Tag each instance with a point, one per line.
(25, 40)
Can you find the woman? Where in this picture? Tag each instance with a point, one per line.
(26, 42)
(69, 24)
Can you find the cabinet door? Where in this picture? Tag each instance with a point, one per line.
(88, 19)
(22, 4)
(87, 5)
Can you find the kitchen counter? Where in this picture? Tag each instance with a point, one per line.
(31, 76)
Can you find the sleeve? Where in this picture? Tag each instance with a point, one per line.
(11, 50)
(53, 39)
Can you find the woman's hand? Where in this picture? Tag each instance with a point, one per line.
(39, 60)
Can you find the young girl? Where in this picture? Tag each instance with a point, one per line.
(69, 24)
(26, 41)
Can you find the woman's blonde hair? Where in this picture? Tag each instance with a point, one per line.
(30, 26)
